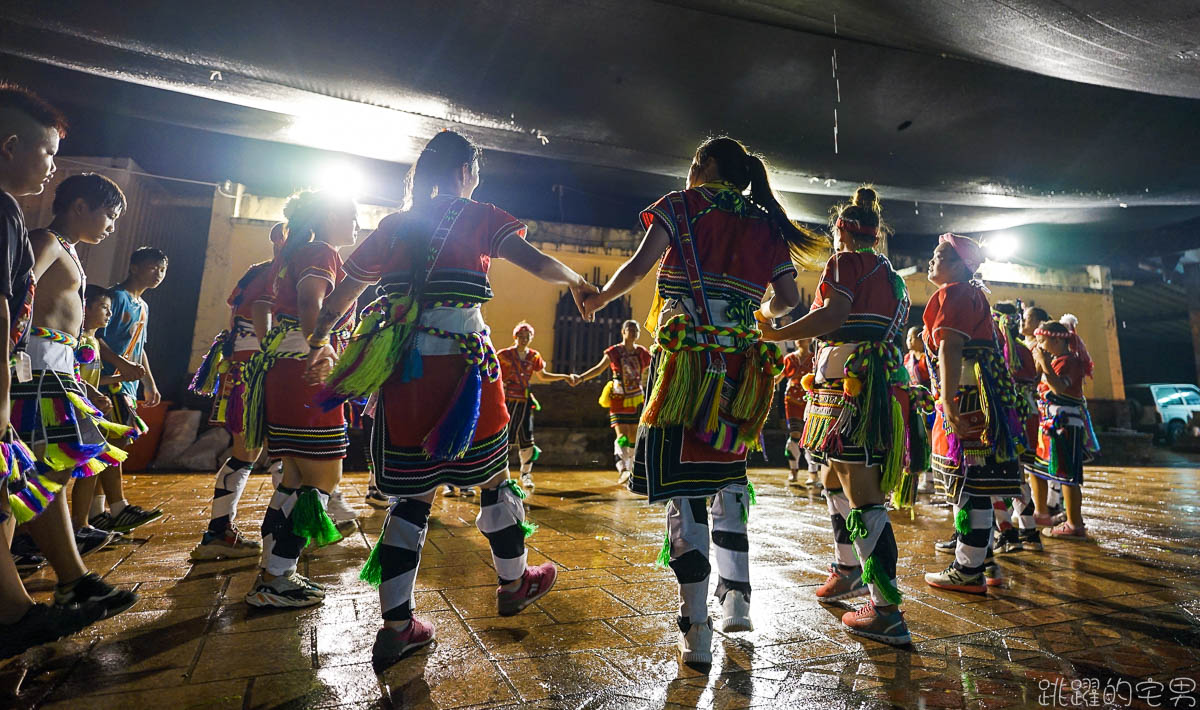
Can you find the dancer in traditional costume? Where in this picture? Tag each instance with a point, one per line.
(859, 418)
(30, 130)
(712, 380)
(1063, 432)
(424, 348)
(521, 366)
(917, 364)
(283, 410)
(52, 411)
(977, 435)
(624, 394)
(222, 376)
(798, 365)
(1024, 535)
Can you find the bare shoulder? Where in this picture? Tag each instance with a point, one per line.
(44, 243)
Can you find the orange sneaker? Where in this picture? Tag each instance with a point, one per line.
(885, 628)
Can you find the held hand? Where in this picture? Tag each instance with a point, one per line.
(320, 363)
(767, 326)
(581, 293)
(573, 380)
(131, 371)
(593, 303)
(958, 424)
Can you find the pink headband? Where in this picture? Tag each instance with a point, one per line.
(277, 233)
(967, 249)
(523, 326)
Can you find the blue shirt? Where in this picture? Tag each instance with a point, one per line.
(125, 333)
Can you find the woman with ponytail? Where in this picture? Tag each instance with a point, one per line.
(283, 411)
(718, 244)
(424, 349)
(857, 423)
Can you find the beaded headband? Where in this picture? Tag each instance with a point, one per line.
(523, 326)
(1051, 333)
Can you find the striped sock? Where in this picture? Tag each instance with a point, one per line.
(730, 540)
(971, 553)
(400, 555)
(281, 546)
(501, 513)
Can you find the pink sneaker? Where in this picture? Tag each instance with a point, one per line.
(1040, 519)
(535, 583)
(1065, 531)
(391, 645)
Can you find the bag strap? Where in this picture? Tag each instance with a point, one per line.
(691, 261)
(436, 242)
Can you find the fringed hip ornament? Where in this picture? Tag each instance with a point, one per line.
(872, 371)
(29, 492)
(691, 376)
(206, 381)
(378, 345)
(919, 449)
(451, 437)
(1000, 401)
(254, 411)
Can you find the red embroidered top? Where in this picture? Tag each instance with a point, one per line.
(865, 279)
(796, 365)
(627, 366)
(516, 373)
(319, 260)
(1071, 368)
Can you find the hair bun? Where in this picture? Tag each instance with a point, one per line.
(866, 197)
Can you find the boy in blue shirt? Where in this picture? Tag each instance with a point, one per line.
(123, 351)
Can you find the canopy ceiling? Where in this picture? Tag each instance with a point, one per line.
(1060, 113)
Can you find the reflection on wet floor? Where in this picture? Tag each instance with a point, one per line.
(1111, 623)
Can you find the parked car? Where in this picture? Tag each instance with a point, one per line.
(1163, 410)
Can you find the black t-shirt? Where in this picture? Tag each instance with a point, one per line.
(16, 270)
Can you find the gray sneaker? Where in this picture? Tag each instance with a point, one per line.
(284, 592)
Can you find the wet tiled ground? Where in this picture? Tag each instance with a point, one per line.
(1119, 616)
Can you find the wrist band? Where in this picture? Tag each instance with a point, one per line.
(322, 342)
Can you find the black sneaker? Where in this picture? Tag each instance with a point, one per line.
(1031, 539)
(103, 521)
(26, 554)
(43, 624)
(89, 539)
(130, 517)
(948, 546)
(1009, 541)
(90, 590)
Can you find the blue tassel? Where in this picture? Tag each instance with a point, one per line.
(414, 366)
(452, 437)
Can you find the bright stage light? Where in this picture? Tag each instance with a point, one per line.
(1002, 246)
(342, 178)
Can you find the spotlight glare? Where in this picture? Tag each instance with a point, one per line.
(341, 178)
(1002, 246)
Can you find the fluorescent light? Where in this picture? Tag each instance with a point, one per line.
(1002, 246)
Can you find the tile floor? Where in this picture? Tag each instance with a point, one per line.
(1110, 623)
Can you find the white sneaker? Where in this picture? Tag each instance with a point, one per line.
(339, 510)
(736, 612)
(450, 492)
(527, 481)
(624, 477)
(925, 487)
(793, 477)
(695, 645)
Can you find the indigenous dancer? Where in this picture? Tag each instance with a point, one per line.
(30, 130)
(711, 382)
(222, 375)
(917, 364)
(52, 411)
(1007, 315)
(311, 441)
(624, 394)
(797, 365)
(424, 349)
(977, 435)
(857, 419)
(520, 366)
(1063, 431)
(1032, 319)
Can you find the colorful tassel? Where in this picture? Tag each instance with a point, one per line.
(372, 570)
(516, 488)
(537, 453)
(893, 463)
(373, 351)
(451, 437)
(962, 521)
(871, 574)
(606, 395)
(751, 499)
(855, 525)
(528, 527)
(206, 380)
(664, 554)
(623, 441)
(310, 520)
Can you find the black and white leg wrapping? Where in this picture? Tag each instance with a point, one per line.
(400, 556)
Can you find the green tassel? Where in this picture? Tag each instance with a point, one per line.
(893, 464)
(871, 574)
(1053, 463)
(528, 527)
(962, 521)
(516, 488)
(372, 571)
(750, 492)
(664, 555)
(624, 441)
(311, 522)
(855, 525)
(537, 453)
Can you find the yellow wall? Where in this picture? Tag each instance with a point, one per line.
(237, 242)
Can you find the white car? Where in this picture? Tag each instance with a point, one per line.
(1164, 410)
